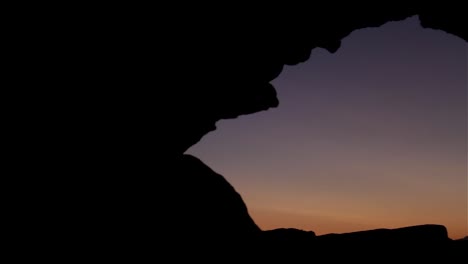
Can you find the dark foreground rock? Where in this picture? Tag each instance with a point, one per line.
(412, 243)
(106, 102)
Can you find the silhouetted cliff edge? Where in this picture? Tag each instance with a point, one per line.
(107, 100)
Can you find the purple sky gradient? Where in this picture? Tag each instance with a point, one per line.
(373, 136)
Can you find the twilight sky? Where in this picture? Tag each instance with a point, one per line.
(373, 136)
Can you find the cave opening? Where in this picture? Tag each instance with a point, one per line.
(371, 136)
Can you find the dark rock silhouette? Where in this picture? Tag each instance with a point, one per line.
(223, 209)
(415, 234)
(287, 240)
(124, 94)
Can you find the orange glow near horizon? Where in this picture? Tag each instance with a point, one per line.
(272, 219)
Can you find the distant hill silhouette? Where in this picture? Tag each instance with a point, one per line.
(110, 98)
(423, 234)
